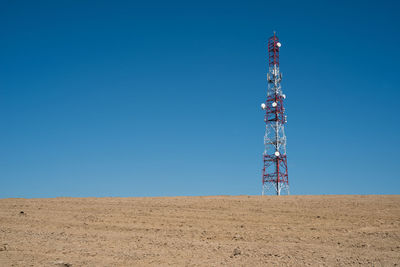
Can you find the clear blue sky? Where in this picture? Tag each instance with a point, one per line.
(124, 98)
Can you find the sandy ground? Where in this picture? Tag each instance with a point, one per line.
(208, 231)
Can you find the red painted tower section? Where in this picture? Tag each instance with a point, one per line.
(275, 171)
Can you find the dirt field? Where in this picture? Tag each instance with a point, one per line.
(209, 231)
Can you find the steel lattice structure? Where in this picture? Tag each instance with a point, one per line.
(275, 171)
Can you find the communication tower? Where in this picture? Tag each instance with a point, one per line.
(275, 171)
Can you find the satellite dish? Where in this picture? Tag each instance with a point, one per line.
(263, 106)
(277, 153)
(284, 96)
(278, 44)
(274, 104)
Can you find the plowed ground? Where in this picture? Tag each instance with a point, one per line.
(207, 231)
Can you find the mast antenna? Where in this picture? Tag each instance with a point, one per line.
(275, 171)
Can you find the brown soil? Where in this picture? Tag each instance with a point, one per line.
(208, 231)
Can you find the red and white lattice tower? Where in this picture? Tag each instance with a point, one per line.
(275, 171)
